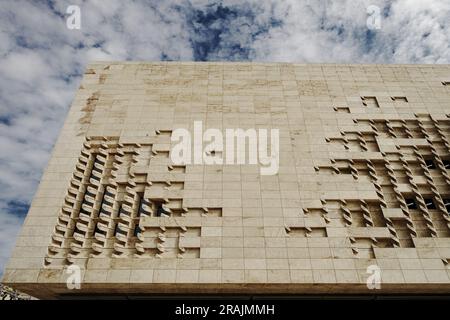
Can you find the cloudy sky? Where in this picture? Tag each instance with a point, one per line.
(41, 60)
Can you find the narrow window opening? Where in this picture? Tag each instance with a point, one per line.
(430, 164)
(429, 203)
(137, 230)
(447, 204)
(141, 203)
(411, 203)
(161, 211)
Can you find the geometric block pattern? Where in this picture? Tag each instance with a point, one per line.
(363, 180)
(125, 199)
(408, 164)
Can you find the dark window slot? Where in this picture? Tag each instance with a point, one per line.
(160, 209)
(430, 164)
(141, 202)
(137, 230)
(411, 203)
(447, 204)
(429, 203)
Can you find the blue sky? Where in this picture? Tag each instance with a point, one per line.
(41, 61)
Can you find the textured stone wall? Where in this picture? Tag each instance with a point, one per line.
(363, 181)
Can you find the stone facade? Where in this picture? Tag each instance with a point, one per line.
(363, 184)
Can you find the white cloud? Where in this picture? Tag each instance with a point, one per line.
(41, 60)
(336, 31)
